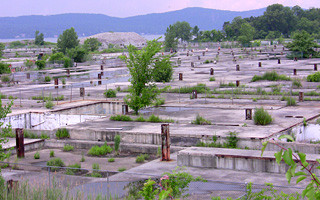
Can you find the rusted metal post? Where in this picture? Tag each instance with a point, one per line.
(260, 64)
(99, 77)
(294, 71)
(124, 109)
(295, 59)
(237, 83)
(82, 92)
(315, 67)
(56, 83)
(165, 145)
(180, 77)
(203, 53)
(68, 72)
(248, 114)
(28, 75)
(237, 67)
(198, 57)
(194, 94)
(101, 67)
(192, 64)
(20, 142)
(301, 96)
(279, 61)
(211, 71)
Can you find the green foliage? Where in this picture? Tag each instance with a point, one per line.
(78, 54)
(51, 153)
(110, 93)
(117, 140)
(262, 117)
(212, 79)
(41, 64)
(49, 104)
(200, 87)
(140, 119)
(140, 159)
(140, 62)
(270, 76)
(55, 162)
(100, 151)
(314, 77)
(4, 68)
(200, 121)
(296, 83)
(16, 44)
(149, 192)
(67, 40)
(39, 39)
(303, 42)
(5, 79)
(62, 133)
(82, 157)
(37, 155)
(2, 47)
(122, 169)
(28, 63)
(68, 147)
(159, 101)
(246, 33)
(231, 142)
(157, 119)
(305, 122)
(111, 160)
(67, 62)
(76, 166)
(163, 70)
(291, 101)
(47, 78)
(170, 40)
(92, 44)
(95, 170)
(120, 118)
(57, 57)
(63, 81)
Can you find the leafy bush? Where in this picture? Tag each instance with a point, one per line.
(41, 64)
(77, 167)
(262, 117)
(314, 77)
(56, 57)
(82, 157)
(68, 147)
(122, 169)
(62, 133)
(4, 68)
(140, 159)
(56, 162)
(140, 119)
(291, 101)
(200, 87)
(201, 121)
(49, 104)
(163, 70)
(111, 160)
(157, 119)
(159, 102)
(100, 151)
(51, 153)
(120, 118)
(296, 83)
(110, 93)
(47, 78)
(37, 155)
(270, 76)
(63, 81)
(5, 78)
(212, 79)
(117, 139)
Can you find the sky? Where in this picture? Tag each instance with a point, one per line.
(126, 8)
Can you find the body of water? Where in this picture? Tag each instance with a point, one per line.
(54, 39)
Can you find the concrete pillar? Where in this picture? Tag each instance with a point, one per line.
(260, 64)
(165, 144)
(82, 92)
(211, 71)
(315, 67)
(180, 77)
(237, 83)
(294, 71)
(20, 142)
(101, 67)
(237, 67)
(56, 82)
(279, 61)
(248, 114)
(124, 109)
(194, 94)
(301, 97)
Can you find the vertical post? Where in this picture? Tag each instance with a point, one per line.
(237, 67)
(56, 83)
(71, 94)
(165, 146)
(180, 76)
(20, 142)
(49, 170)
(260, 64)
(301, 96)
(57, 95)
(237, 83)
(28, 75)
(248, 114)
(194, 94)
(82, 92)
(108, 186)
(101, 67)
(315, 67)
(99, 77)
(192, 64)
(279, 61)
(294, 71)
(198, 57)
(43, 98)
(246, 190)
(211, 71)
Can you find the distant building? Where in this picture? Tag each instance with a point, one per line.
(119, 39)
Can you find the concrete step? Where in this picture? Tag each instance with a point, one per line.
(236, 159)
(29, 145)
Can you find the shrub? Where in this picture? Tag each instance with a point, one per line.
(314, 77)
(296, 83)
(56, 162)
(63, 81)
(270, 76)
(49, 104)
(212, 79)
(120, 118)
(200, 87)
(100, 151)
(68, 147)
(145, 156)
(140, 119)
(95, 169)
(51, 153)
(5, 79)
(262, 117)
(72, 171)
(56, 57)
(140, 159)
(37, 155)
(62, 133)
(41, 64)
(111, 160)
(163, 70)
(4, 68)
(201, 121)
(122, 169)
(291, 101)
(117, 139)
(110, 93)
(157, 119)
(47, 78)
(67, 62)
(159, 102)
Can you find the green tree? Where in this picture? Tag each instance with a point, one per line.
(163, 70)
(4, 68)
(4, 110)
(141, 64)
(67, 40)
(92, 44)
(170, 40)
(195, 32)
(41, 64)
(78, 54)
(303, 42)
(57, 56)
(39, 39)
(246, 33)
(182, 30)
(2, 47)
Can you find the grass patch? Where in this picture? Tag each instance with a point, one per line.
(291, 101)
(212, 79)
(68, 147)
(110, 93)
(117, 140)
(95, 169)
(159, 102)
(201, 121)
(100, 151)
(157, 119)
(314, 77)
(270, 76)
(111, 160)
(230, 84)
(122, 169)
(47, 79)
(231, 142)
(55, 162)
(140, 119)
(51, 154)
(120, 118)
(140, 159)
(200, 87)
(76, 169)
(262, 117)
(296, 83)
(62, 133)
(49, 104)
(37, 155)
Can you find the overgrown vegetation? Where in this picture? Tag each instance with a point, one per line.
(231, 142)
(62, 133)
(201, 121)
(55, 162)
(117, 139)
(270, 76)
(68, 147)
(76, 168)
(152, 118)
(100, 151)
(110, 93)
(261, 117)
(37, 155)
(314, 77)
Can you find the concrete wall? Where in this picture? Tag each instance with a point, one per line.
(105, 108)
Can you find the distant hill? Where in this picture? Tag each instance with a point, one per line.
(90, 24)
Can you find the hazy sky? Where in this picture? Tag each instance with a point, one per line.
(125, 8)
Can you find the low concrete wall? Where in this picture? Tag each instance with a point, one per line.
(27, 147)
